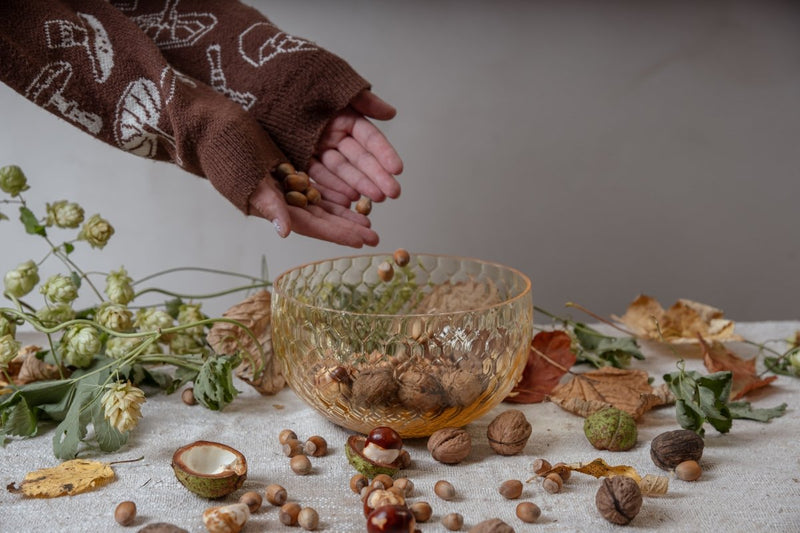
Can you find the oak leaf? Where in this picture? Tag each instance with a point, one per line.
(549, 358)
(718, 358)
(625, 389)
(259, 366)
(680, 324)
(68, 478)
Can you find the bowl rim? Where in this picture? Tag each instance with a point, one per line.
(523, 293)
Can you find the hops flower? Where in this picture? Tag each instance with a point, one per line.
(152, 319)
(122, 405)
(53, 315)
(59, 289)
(64, 214)
(189, 313)
(13, 180)
(794, 360)
(9, 348)
(21, 280)
(96, 231)
(114, 316)
(183, 343)
(80, 344)
(119, 288)
(119, 347)
(7, 327)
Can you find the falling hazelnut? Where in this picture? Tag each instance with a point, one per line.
(276, 495)
(453, 521)
(444, 490)
(289, 513)
(364, 206)
(300, 465)
(386, 271)
(252, 500)
(688, 471)
(528, 512)
(125, 513)
(511, 489)
(401, 257)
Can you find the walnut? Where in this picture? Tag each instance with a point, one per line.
(509, 432)
(449, 445)
(670, 449)
(420, 391)
(494, 525)
(619, 499)
(462, 388)
(333, 382)
(374, 387)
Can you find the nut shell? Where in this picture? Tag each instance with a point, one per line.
(508, 433)
(670, 449)
(450, 445)
(619, 499)
(354, 449)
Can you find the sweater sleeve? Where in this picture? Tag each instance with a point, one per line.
(89, 64)
(291, 85)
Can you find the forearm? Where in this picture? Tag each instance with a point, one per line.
(87, 63)
(290, 85)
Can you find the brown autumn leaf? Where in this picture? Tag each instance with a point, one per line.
(26, 368)
(718, 358)
(625, 389)
(549, 358)
(650, 485)
(259, 368)
(68, 478)
(680, 324)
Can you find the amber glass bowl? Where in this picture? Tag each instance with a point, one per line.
(438, 345)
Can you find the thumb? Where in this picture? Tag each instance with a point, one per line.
(267, 202)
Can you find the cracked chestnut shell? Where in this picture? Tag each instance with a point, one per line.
(619, 499)
(354, 449)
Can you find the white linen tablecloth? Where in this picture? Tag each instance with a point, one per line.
(751, 478)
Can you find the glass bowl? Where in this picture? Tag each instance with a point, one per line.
(439, 344)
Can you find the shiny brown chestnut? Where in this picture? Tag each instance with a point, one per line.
(391, 519)
(385, 437)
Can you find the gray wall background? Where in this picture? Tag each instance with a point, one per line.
(603, 148)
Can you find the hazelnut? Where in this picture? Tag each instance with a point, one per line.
(540, 466)
(252, 500)
(401, 257)
(444, 490)
(453, 521)
(286, 435)
(188, 396)
(449, 445)
(619, 499)
(364, 206)
(358, 482)
(289, 513)
(688, 471)
(422, 511)
(300, 465)
(382, 481)
(403, 460)
(385, 271)
(296, 199)
(315, 446)
(509, 432)
(313, 195)
(125, 513)
(296, 182)
(552, 483)
(562, 470)
(670, 449)
(610, 429)
(276, 495)
(391, 518)
(404, 484)
(283, 170)
(308, 519)
(511, 489)
(494, 525)
(292, 447)
(528, 512)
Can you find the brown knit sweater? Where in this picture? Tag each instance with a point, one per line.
(210, 85)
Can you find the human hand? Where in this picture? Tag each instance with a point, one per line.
(353, 157)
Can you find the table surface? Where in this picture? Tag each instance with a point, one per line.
(751, 479)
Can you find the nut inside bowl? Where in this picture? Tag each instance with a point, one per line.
(439, 344)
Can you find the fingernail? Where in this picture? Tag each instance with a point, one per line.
(278, 227)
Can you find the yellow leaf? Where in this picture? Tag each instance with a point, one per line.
(650, 485)
(66, 479)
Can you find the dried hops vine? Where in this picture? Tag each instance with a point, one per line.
(99, 357)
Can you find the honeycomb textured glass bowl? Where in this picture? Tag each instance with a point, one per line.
(441, 343)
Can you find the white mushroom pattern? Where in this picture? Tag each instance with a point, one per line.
(46, 90)
(170, 29)
(259, 43)
(90, 35)
(220, 84)
(138, 113)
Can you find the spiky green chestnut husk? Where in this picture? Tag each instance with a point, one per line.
(611, 429)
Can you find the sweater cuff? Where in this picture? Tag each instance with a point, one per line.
(305, 101)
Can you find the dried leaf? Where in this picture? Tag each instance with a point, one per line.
(650, 485)
(625, 389)
(68, 478)
(259, 368)
(34, 369)
(680, 324)
(550, 357)
(718, 358)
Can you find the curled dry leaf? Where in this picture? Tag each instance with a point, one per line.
(718, 358)
(650, 485)
(679, 324)
(625, 389)
(27, 368)
(550, 357)
(259, 368)
(68, 478)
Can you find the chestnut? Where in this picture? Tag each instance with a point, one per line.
(391, 519)
(385, 437)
